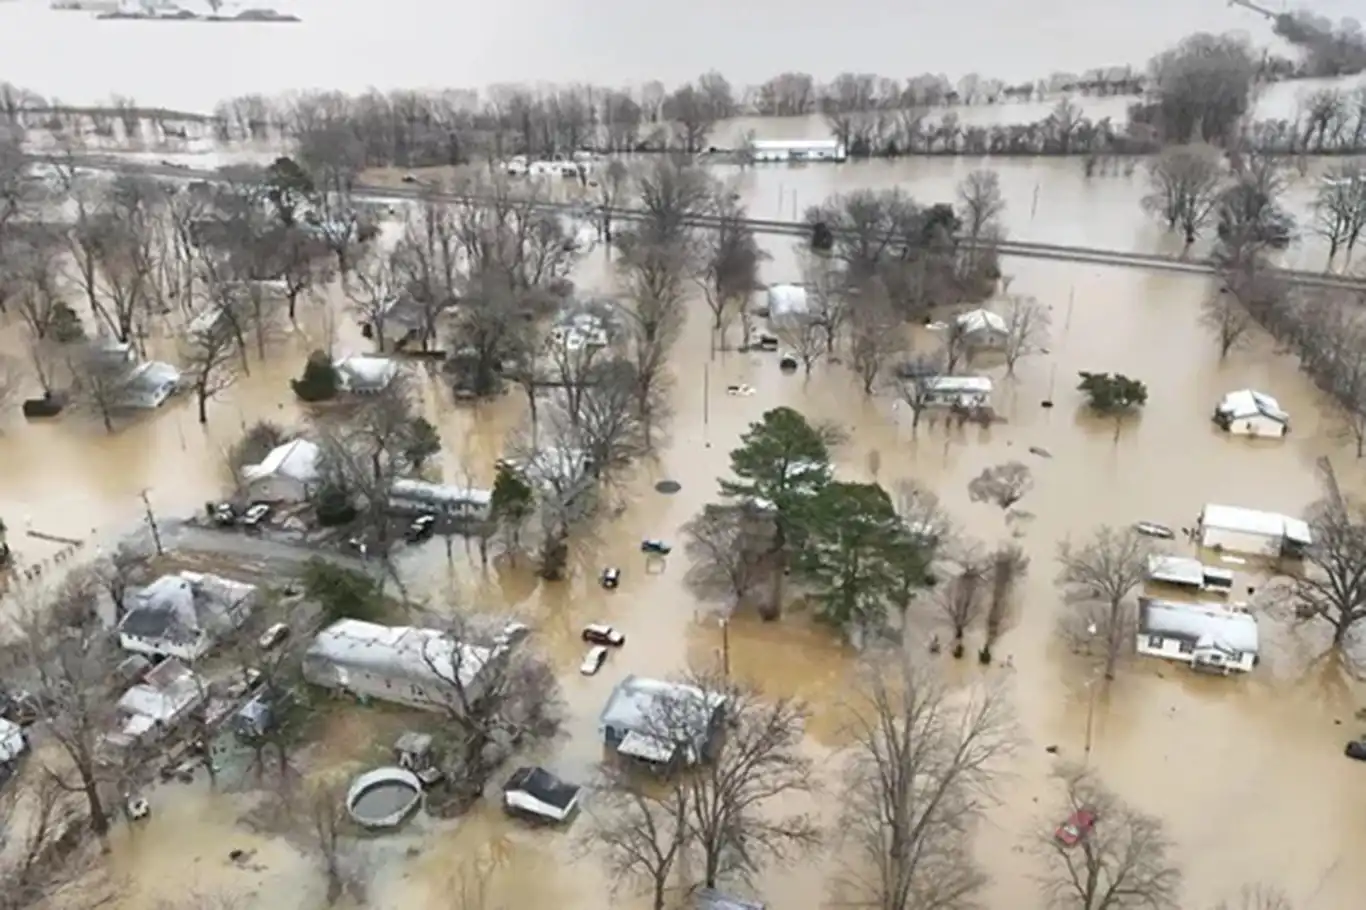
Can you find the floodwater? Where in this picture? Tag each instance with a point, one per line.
(1229, 764)
(353, 45)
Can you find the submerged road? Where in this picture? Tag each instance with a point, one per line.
(1017, 248)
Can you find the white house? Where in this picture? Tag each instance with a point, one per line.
(148, 385)
(662, 723)
(183, 615)
(787, 303)
(1192, 574)
(288, 473)
(982, 329)
(1249, 531)
(768, 150)
(163, 700)
(362, 374)
(421, 668)
(468, 503)
(1207, 636)
(13, 741)
(959, 391)
(1251, 413)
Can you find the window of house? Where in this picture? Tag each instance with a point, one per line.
(1187, 647)
(1156, 641)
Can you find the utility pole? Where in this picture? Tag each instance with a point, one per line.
(152, 523)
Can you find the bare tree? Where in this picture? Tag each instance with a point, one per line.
(11, 386)
(960, 599)
(324, 820)
(730, 264)
(806, 339)
(918, 383)
(1003, 484)
(640, 830)
(875, 336)
(1340, 208)
(1332, 586)
(613, 182)
(1122, 863)
(1258, 897)
(372, 290)
(42, 830)
(828, 305)
(1226, 317)
(731, 549)
(982, 203)
(918, 779)
(1185, 182)
(1008, 566)
(1028, 325)
(212, 361)
(1097, 578)
(100, 380)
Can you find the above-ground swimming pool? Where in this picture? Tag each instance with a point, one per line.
(384, 797)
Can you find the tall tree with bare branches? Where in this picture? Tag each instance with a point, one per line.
(919, 778)
(1123, 863)
(1096, 578)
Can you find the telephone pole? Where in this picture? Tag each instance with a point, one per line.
(152, 523)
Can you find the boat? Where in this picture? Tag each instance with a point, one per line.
(1153, 529)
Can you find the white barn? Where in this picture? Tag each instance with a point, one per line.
(1250, 413)
(1208, 637)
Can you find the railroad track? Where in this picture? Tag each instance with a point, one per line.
(1014, 248)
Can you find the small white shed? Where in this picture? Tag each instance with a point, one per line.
(983, 329)
(787, 303)
(1250, 413)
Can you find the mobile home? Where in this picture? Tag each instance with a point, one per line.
(1249, 531)
(769, 150)
(1209, 637)
(957, 391)
(1192, 574)
(411, 496)
(1250, 413)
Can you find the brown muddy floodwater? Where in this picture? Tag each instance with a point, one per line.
(1247, 773)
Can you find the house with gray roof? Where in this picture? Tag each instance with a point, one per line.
(661, 723)
(185, 614)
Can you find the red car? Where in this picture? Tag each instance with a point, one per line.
(1074, 830)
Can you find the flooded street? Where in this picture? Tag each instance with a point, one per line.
(1215, 758)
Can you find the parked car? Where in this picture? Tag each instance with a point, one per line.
(222, 514)
(273, 636)
(256, 514)
(1074, 830)
(1356, 749)
(655, 547)
(247, 682)
(593, 660)
(422, 527)
(611, 577)
(410, 178)
(512, 633)
(600, 634)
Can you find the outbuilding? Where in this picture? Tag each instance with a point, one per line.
(982, 329)
(794, 150)
(1240, 530)
(1250, 413)
(288, 473)
(1192, 574)
(956, 391)
(1208, 637)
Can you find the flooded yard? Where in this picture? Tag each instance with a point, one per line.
(1231, 765)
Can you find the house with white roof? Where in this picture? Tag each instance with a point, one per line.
(1208, 637)
(288, 473)
(661, 723)
(407, 665)
(148, 385)
(1247, 412)
(165, 698)
(184, 615)
(787, 304)
(982, 329)
(364, 374)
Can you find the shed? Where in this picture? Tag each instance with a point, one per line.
(787, 303)
(1184, 572)
(1247, 412)
(1251, 531)
(361, 374)
(982, 329)
(537, 794)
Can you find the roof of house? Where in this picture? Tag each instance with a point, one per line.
(296, 460)
(399, 651)
(794, 144)
(151, 375)
(979, 320)
(786, 300)
(711, 899)
(165, 692)
(177, 608)
(362, 371)
(1272, 524)
(1246, 403)
(652, 709)
(410, 488)
(959, 384)
(1203, 626)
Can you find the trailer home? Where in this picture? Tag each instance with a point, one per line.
(767, 150)
(1250, 531)
(1191, 574)
(957, 391)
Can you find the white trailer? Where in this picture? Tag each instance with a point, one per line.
(1192, 574)
(1238, 530)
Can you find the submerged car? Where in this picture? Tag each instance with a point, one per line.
(593, 660)
(422, 527)
(273, 636)
(611, 577)
(655, 547)
(1074, 830)
(258, 513)
(1356, 749)
(600, 634)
